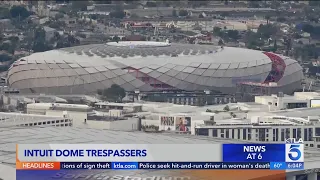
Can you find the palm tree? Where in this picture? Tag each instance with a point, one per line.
(267, 17)
(220, 43)
(275, 46)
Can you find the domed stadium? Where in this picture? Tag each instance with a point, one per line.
(152, 66)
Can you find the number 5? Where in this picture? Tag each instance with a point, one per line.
(294, 149)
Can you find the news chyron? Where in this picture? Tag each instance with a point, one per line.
(294, 150)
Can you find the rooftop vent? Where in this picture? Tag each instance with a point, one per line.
(280, 94)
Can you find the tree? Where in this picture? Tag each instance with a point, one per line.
(314, 3)
(57, 24)
(58, 16)
(115, 38)
(183, 13)
(296, 53)
(19, 12)
(233, 34)
(117, 14)
(151, 4)
(253, 41)
(4, 13)
(217, 31)
(39, 41)
(114, 93)
(5, 57)
(102, 1)
(254, 4)
(304, 56)
(267, 17)
(93, 16)
(174, 13)
(281, 19)
(56, 36)
(72, 40)
(308, 28)
(39, 34)
(275, 46)
(316, 55)
(14, 39)
(62, 44)
(134, 15)
(8, 47)
(225, 14)
(80, 5)
(100, 92)
(266, 31)
(41, 46)
(198, 3)
(14, 43)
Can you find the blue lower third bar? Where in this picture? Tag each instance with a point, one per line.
(295, 165)
(124, 165)
(278, 165)
(286, 165)
(204, 165)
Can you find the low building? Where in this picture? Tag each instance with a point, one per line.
(80, 99)
(298, 100)
(264, 131)
(49, 32)
(8, 120)
(15, 101)
(43, 20)
(189, 98)
(34, 19)
(126, 107)
(5, 24)
(79, 113)
(84, 116)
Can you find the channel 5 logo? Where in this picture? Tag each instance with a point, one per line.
(295, 152)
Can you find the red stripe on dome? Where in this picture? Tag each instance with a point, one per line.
(278, 68)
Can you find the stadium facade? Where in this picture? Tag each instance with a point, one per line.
(152, 66)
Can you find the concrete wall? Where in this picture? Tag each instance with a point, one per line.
(77, 117)
(150, 122)
(125, 125)
(280, 102)
(95, 124)
(122, 125)
(265, 99)
(7, 172)
(36, 111)
(115, 113)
